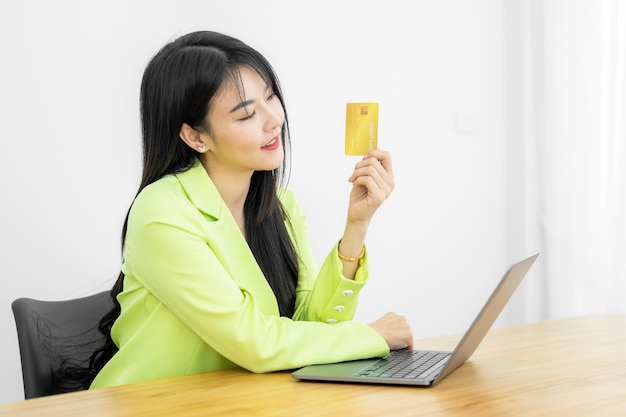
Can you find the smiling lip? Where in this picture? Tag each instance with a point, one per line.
(272, 144)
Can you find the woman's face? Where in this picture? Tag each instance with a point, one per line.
(245, 123)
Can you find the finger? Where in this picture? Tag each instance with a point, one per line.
(384, 157)
(361, 168)
(381, 178)
(375, 184)
(375, 192)
(371, 190)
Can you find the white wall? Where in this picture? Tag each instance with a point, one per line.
(70, 151)
(585, 181)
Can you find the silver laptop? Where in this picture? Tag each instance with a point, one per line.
(423, 367)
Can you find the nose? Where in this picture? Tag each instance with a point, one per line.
(274, 122)
(275, 118)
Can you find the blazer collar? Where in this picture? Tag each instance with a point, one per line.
(201, 191)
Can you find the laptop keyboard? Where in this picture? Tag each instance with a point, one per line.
(403, 364)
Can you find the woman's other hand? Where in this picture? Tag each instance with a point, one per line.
(395, 330)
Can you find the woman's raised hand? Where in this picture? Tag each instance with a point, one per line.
(372, 182)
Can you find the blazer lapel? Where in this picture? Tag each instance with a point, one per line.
(225, 239)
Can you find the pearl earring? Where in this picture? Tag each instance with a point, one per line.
(202, 148)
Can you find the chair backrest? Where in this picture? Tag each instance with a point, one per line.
(50, 332)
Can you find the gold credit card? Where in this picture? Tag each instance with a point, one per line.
(361, 128)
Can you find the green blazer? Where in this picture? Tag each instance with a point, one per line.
(195, 300)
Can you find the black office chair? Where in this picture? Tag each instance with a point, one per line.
(51, 332)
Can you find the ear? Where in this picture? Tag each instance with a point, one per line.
(193, 138)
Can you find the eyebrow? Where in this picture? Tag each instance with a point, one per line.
(242, 104)
(247, 102)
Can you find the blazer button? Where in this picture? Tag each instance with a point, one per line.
(347, 293)
(338, 309)
(331, 321)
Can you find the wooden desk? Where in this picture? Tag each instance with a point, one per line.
(568, 367)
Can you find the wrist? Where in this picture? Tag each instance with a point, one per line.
(349, 258)
(358, 227)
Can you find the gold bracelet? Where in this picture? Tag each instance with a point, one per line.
(358, 259)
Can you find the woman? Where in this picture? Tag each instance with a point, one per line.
(217, 270)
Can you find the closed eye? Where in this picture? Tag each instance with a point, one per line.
(243, 104)
(249, 116)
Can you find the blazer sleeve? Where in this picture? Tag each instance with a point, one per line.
(172, 254)
(322, 295)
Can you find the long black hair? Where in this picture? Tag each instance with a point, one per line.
(177, 87)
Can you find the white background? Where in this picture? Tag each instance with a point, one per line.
(448, 75)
